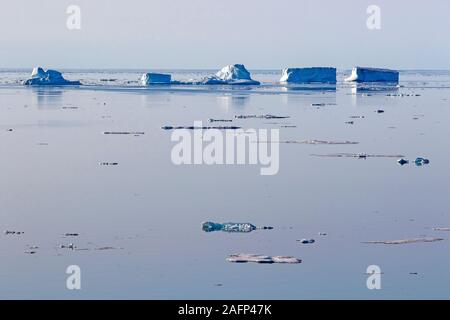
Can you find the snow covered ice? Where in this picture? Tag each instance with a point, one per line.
(309, 75)
(235, 74)
(360, 74)
(155, 78)
(49, 77)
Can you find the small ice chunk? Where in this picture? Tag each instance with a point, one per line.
(50, 77)
(360, 74)
(307, 241)
(309, 75)
(233, 74)
(155, 78)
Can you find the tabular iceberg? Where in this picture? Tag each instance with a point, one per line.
(360, 74)
(235, 74)
(39, 77)
(155, 78)
(309, 75)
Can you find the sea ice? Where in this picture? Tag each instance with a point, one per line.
(235, 74)
(40, 77)
(155, 78)
(309, 75)
(258, 258)
(231, 227)
(360, 74)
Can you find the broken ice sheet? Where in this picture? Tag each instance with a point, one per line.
(257, 258)
(312, 142)
(231, 227)
(404, 241)
(358, 155)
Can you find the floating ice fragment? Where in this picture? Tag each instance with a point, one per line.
(421, 161)
(50, 77)
(9, 232)
(309, 75)
(404, 241)
(307, 241)
(357, 155)
(441, 229)
(231, 227)
(220, 120)
(257, 258)
(264, 116)
(200, 128)
(360, 74)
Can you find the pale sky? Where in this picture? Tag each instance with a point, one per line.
(262, 34)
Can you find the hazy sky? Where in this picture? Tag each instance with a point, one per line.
(210, 33)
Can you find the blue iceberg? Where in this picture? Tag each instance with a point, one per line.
(309, 75)
(235, 74)
(360, 74)
(155, 78)
(39, 77)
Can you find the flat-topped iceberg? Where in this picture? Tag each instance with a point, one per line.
(309, 75)
(235, 74)
(155, 78)
(360, 74)
(39, 77)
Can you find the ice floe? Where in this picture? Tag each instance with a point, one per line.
(155, 78)
(309, 75)
(231, 227)
(404, 241)
(257, 258)
(360, 74)
(40, 77)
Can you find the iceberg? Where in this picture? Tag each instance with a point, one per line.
(235, 74)
(360, 74)
(39, 77)
(309, 75)
(155, 78)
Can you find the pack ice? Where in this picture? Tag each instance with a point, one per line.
(360, 74)
(309, 75)
(235, 74)
(155, 78)
(50, 77)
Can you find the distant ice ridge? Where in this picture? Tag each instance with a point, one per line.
(309, 75)
(50, 77)
(360, 74)
(235, 74)
(155, 78)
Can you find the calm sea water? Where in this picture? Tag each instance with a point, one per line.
(147, 212)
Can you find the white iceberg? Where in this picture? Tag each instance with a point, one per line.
(360, 74)
(309, 75)
(155, 78)
(49, 77)
(235, 74)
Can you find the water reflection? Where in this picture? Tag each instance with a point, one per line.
(47, 97)
(233, 101)
(367, 89)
